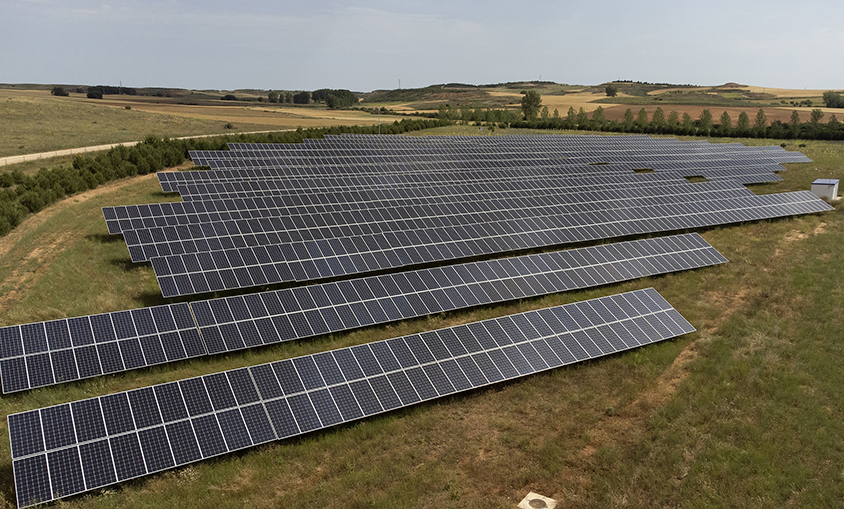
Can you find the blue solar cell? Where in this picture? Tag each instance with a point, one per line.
(34, 338)
(282, 418)
(156, 449)
(209, 435)
(97, 464)
(25, 433)
(40, 370)
(88, 420)
(424, 388)
(258, 424)
(11, 343)
(328, 368)
(365, 397)
(128, 459)
(288, 377)
(325, 407)
(88, 361)
(219, 391)
(32, 485)
(183, 442)
(117, 413)
(404, 389)
(385, 392)
(303, 412)
(195, 396)
(234, 429)
(58, 335)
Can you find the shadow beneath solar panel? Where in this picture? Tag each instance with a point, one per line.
(104, 238)
(7, 482)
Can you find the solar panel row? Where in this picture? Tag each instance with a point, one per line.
(490, 212)
(47, 353)
(74, 447)
(243, 267)
(136, 217)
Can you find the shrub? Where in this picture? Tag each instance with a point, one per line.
(32, 200)
(21, 194)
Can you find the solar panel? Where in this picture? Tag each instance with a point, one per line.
(311, 259)
(47, 353)
(384, 217)
(261, 205)
(57, 351)
(75, 447)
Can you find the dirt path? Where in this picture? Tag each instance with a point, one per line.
(4, 161)
(29, 269)
(34, 221)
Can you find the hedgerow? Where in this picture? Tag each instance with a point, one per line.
(22, 194)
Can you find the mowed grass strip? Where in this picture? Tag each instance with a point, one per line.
(746, 412)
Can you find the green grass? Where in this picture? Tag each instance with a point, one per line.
(32, 126)
(749, 416)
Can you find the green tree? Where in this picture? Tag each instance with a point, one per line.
(726, 126)
(794, 124)
(833, 121)
(582, 118)
(59, 91)
(611, 90)
(530, 104)
(598, 116)
(761, 122)
(688, 124)
(743, 124)
(628, 120)
(833, 99)
(272, 96)
(556, 113)
(658, 118)
(571, 117)
(642, 118)
(705, 122)
(544, 114)
(302, 98)
(673, 119)
(816, 116)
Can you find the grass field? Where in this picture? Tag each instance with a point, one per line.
(747, 412)
(33, 121)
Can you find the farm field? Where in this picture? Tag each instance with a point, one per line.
(34, 121)
(746, 412)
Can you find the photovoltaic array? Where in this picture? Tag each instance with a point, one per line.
(58, 351)
(359, 230)
(348, 205)
(75, 447)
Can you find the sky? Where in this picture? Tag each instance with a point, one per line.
(370, 45)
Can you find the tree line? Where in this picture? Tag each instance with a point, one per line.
(22, 194)
(536, 116)
(683, 124)
(334, 99)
